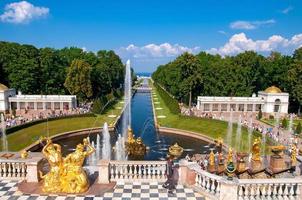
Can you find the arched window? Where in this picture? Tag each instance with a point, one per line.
(277, 105)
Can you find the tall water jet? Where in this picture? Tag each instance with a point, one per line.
(120, 153)
(250, 132)
(290, 125)
(277, 122)
(3, 130)
(98, 146)
(106, 146)
(230, 130)
(126, 117)
(238, 134)
(126, 120)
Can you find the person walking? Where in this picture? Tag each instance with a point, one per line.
(169, 172)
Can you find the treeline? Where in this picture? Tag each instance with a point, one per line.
(61, 71)
(241, 75)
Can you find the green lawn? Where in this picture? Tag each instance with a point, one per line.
(24, 137)
(272, 122)
(208, 127)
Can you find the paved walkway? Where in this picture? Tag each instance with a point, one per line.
(127, 191)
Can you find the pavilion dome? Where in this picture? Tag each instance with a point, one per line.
(3, 87)
(273, 90)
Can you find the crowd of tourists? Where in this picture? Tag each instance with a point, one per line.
(29, 116)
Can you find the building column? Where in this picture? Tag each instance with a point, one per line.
(198, 104)
(228, 107)
(61, 106)
(35, 105)
(236, 107)
(26, 105)
(44, 105)
(254, 108)
(211, 107)
(52, 105)
(244, 107)
(219, 107)
(18, 105)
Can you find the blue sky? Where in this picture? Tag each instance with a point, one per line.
(154, 32)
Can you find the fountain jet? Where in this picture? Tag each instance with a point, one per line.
(106, 146)
(3, 129)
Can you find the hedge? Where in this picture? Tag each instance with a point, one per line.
(28, 124)
(171, 103)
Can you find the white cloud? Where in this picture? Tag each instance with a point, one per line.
(240, 42)
(287, 10)
(154, 51)
(222, 32)
(22, 12)
(247, 25)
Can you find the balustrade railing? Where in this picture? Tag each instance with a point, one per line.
(206, 181)
(137, 170)
(13, 170)
(285, 188)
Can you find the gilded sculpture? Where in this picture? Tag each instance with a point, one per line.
(256, 150)
(294, 155)
(66, 175)
(212, 158)
(230, 155)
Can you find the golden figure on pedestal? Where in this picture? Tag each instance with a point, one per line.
(256, 150)
(230, 155)
(212, 158)
(294, 155)
(66, 175)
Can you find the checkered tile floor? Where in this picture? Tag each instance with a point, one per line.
(122, 191)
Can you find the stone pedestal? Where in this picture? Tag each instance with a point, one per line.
(277, 163)
(103, 172)
(241, 166)
(256, 165)
(220, 168)
(211, 168)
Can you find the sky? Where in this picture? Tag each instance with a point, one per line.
(150, 33)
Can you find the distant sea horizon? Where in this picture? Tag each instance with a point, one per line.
(148, 74)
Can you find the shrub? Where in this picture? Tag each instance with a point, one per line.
(271, 117)
(299, 128)
(284, 123)
(171, 103)
(97, 106)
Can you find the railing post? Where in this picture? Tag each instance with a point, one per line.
(103, 166)
(33, 166)
(228, 190)
(187, 176)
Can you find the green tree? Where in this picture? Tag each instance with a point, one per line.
(294, 77)
(78, 80)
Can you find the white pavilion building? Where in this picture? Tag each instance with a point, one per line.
(270, 101)
(9, 100)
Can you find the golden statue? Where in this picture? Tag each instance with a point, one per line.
(66, 174)
(131, 139)
(52, 180)
(24, 154)
(294, 155)
(230, 155)
(76, 180)
(212, 158)
(256, 149)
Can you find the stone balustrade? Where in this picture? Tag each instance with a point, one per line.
(131, 170)
(13, 167)
(13, 170)
(283, 188)
(137, 170)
